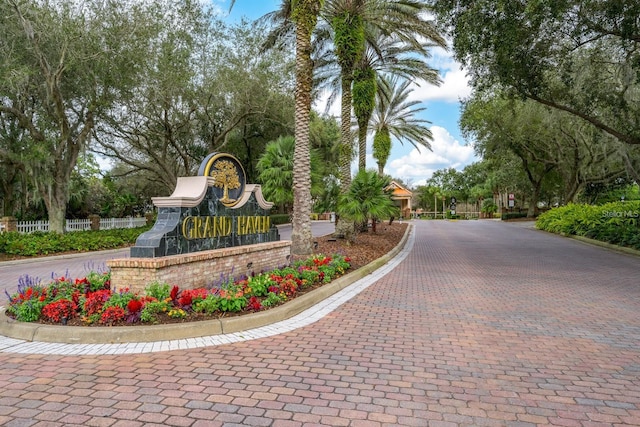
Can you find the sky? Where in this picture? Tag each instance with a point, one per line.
(442, 103)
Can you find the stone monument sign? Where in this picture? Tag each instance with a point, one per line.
(215, 209)
(214, 225)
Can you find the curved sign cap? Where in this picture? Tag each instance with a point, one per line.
(228, 177)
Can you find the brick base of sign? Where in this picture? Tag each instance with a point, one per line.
(198, 269)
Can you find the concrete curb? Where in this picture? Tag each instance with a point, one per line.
(593, 242)
(621, 249)
(153, 333)
(59, 257)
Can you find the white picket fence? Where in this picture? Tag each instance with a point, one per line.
(112, 223)
(82, 224)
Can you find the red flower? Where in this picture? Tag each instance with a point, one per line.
(254, 304)
(95, 301)
(59, 310)
(195, 294)
(134, 306)
(112, 315)
(289, 287)
(174, 292)
(274, 289)
(185, 299)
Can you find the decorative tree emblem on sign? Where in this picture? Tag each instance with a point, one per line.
(225, 176)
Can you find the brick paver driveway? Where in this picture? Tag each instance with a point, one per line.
(484, 323)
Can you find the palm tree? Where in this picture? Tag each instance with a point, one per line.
(356, 24)
(395, 116)
(391, 58)
(275, 169)
(305, 16)
(365, 86)
(368, 198)
(388, 57)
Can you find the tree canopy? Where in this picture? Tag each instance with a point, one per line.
(577, 56)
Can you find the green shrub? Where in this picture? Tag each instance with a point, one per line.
(29, 311)
(617, 223)
(513, 215)
(158, 290)
(271, 300)
(151, 310)
(119, 300)
(46, 243)
(489, 207)
(260, 284)
(209, 305)
(278, 219)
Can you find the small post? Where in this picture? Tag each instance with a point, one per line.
(95, 222)
(149, 217)
(8, 223)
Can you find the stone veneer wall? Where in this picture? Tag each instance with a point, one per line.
(198, 269)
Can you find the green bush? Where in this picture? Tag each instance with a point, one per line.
(46, 243)
(159, 290)
(151, 310)
(278, 219)
(209, 305)
(513, 215)
(617, 223)
(489, 207)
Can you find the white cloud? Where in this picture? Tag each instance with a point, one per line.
(320, 105)
(454, 87)
(418, 166)
(455, 84)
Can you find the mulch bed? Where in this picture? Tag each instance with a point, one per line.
(367, 247)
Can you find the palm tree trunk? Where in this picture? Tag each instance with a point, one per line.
(345, 227)
(301, 237)
(362, 148)
(346, 149)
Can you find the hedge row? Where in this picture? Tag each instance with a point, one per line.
(617, 223)
(46, 243)
(513, 215)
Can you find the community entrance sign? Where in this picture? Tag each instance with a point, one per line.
(215, 209)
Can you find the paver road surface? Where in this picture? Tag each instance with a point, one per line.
(482, 323)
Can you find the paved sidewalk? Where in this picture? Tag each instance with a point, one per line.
(482, 323)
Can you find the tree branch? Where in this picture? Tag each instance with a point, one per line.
(628, 139)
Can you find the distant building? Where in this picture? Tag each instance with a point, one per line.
(402, 198)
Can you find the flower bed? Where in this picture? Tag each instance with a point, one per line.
(91, 301)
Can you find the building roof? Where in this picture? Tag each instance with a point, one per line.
(398, 190)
